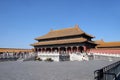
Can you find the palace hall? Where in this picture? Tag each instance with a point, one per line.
(66, 40)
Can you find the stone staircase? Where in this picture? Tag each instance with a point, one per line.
(78, 57)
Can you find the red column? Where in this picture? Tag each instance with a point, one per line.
(84, 47)
(77, 48)
(71, 49)
(51, 50)
(59, 49)
(45, 50)
(41, 49)
(66, 50)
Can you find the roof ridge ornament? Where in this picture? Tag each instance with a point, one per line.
(102, 40)
(76, 26)
(51, 29)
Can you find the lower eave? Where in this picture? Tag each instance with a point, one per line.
(64, 41)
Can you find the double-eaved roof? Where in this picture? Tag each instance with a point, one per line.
(74, 31)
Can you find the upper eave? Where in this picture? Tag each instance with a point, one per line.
(63, 33)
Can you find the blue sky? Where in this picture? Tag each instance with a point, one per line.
(23, 20)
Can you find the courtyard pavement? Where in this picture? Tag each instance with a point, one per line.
(35, 70)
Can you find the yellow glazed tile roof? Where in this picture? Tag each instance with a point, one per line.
(109, 44)
(101, 43)
(63, 32)
(14, 50)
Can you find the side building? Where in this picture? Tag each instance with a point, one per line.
(106, 50)
(14, 50)
(8, 54)
(107, 45)
(65, 41)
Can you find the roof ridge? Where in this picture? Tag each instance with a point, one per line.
(75, 27)
(62, 29)
(113, 42)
